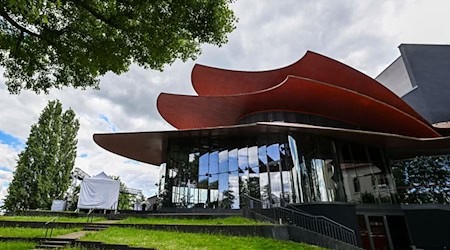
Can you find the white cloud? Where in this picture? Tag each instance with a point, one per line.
(270, 34)
(8, 157)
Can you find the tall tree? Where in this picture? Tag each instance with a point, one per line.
(59, 43)
(44, 166)
(424, 179)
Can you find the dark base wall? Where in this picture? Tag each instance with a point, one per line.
(429, 225)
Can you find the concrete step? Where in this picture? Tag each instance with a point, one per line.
(56, 242)
(95, 227)
(43, 246)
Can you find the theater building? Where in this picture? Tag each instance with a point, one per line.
(316, 134)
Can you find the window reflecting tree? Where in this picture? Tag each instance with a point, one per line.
(423, 179)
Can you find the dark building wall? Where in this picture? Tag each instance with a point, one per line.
(429, 228)
(428, 68)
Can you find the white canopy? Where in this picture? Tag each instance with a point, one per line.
(99, 192)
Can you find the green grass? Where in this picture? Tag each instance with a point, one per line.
(33, 232)
(164, 240)
(174, 221)
(47, 218)
(16, 245)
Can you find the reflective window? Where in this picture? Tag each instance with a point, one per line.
(264, 175)
(366, 176)
(203, 169)
(253, 173)
(276, 168)
(233, 181)
(213, 179)
(224, 194)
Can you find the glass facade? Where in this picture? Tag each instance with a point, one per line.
(277, 168)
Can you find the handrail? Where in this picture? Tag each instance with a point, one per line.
(316, 223)
(89, 216)
(318, 216)
(50, 224)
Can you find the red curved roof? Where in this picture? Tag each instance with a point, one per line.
(295, 94)
(208, 81)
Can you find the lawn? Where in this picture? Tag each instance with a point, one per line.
(164, 240)
(174, 221)
(33, 232)
(47, 218)
(17, 245)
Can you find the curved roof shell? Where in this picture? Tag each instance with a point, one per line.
(209, 81)
(314, 85)
(295, 94)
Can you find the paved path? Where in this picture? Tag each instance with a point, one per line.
(79, 234)
(74, 235)
(105, 222)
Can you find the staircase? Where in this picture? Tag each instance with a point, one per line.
(319, 224)
(94, 227)
(54, 243)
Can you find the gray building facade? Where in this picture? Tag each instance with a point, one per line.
(421, 77)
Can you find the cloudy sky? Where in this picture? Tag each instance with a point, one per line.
(270, 34)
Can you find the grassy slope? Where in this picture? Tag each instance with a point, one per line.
(47, 218)
(175, 240)
(173, 221)
(17, 245)
(33, 232)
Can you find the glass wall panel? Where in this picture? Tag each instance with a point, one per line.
(273, 152)
(162, 181)
(243, 172)
(384, 188)
(277, 168)
(253, 172)
(233, 181)
(319, 173)
(224, 201)
(203, 169)
(213, 179)
(286, 174)
(295, 170)
(264, 183)
(367, 178)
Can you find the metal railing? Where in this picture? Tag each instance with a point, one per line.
(90, 216)
(49, 225)
(316, 223)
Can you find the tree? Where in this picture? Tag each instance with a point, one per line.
(125, 199)
(58, 43)
(43, 168)
(423, 179)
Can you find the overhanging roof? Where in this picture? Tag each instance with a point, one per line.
(295, 94)
(209, 81)
(150, 147)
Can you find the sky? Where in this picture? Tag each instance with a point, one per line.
(269, 34)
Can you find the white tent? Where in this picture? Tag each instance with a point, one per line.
(99, 192)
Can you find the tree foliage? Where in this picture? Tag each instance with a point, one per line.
(58, 43)
(423, 179)
(125, 201)
(43, 168)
